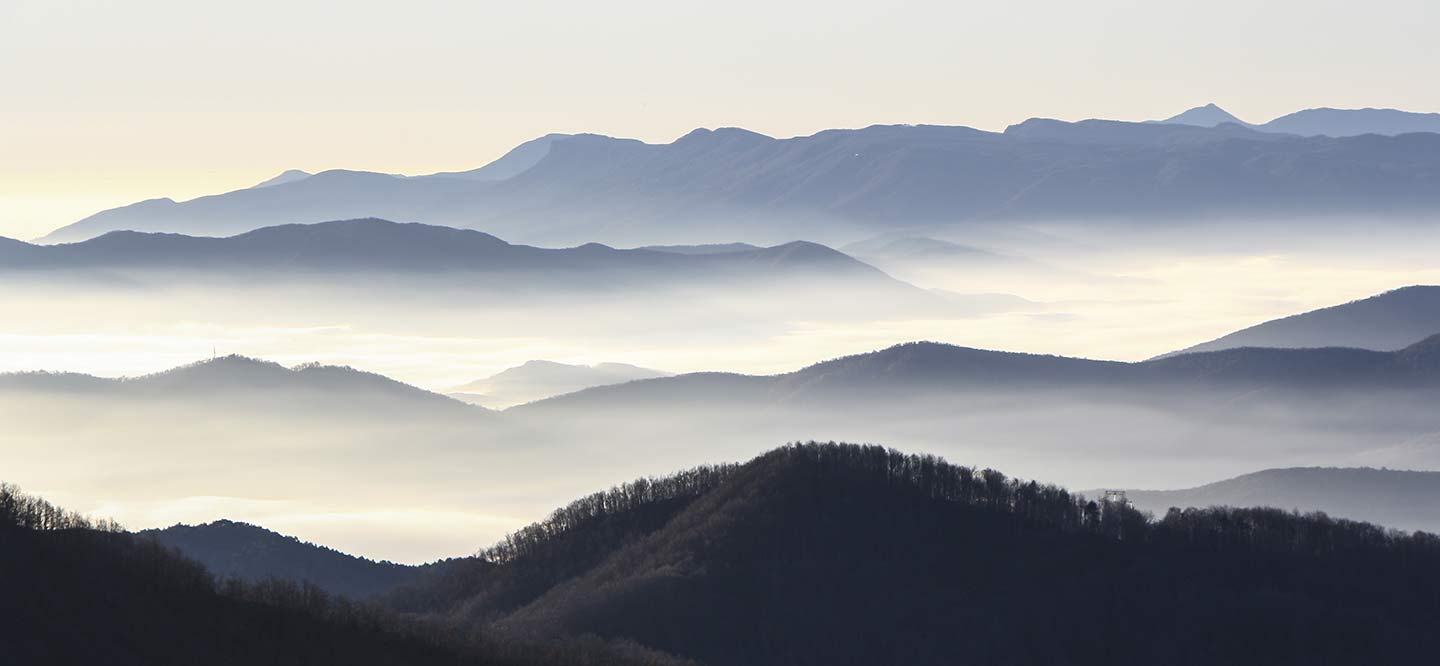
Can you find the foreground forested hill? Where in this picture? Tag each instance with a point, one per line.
(75, 592)
(808, 554)
(840, 554)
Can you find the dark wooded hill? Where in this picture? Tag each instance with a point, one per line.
(250, 553)
(74, 592)
(841, 554)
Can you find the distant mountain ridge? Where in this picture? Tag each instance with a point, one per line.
(732, 184)
(895, 370)
(1407, 500)
(379, 246)
(928, 367)
(1384, 322)
(233, 377)
(539, 379)
(1324, 121)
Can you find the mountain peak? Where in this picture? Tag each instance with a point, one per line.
(722, 136)
(1209, 115)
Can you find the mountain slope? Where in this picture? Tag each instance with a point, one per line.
(1384, 322)
(839, 554)
(250, 553)
(731, 184)
(541, 379)
(1405, 500)
(511, 164)
(287, 176)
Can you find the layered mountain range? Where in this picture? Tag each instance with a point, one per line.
(731, 184)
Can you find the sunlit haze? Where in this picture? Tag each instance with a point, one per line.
(99, 108)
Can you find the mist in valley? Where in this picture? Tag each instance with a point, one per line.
(394, 480)
(389, 471)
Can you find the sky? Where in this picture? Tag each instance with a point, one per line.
(106, 102)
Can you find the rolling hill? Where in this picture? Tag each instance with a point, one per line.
(252, 554)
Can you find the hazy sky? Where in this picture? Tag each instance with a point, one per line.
(103, 102)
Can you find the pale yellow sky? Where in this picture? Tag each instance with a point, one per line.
(108, 102)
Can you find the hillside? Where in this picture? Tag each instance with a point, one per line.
(731, 184)
(251, 554)
(1385, 322)
(840, 554)
(76, 592)
(1406, 500)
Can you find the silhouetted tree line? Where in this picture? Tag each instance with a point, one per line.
(526, 563)
(627, 497)
(24, 511)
